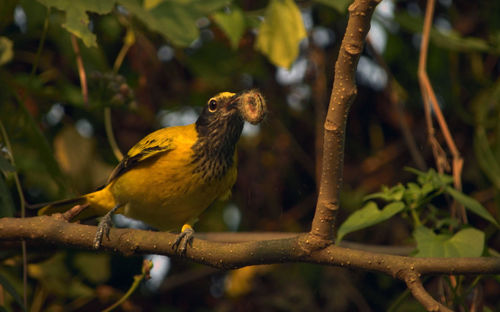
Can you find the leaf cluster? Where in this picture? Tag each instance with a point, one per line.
(417, 201)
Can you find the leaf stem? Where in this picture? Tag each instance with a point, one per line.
(147, 265)
(81, 70)
(42, 42)
(22, 200)
(416, 219)
(109, 133)
(128, 41)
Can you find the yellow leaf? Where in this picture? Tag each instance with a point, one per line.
(239, 282)
(6, 51)
(281, 32)
(149, 4)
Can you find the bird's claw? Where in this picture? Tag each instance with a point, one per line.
(183, 239)
(104, 227)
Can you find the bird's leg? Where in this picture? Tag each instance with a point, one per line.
(104, 226)
(184, 238)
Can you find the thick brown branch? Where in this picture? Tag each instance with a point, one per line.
(343, 93)
(55, 231)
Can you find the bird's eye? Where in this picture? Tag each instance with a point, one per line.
(212, 105)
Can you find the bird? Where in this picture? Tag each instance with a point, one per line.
(173, 174)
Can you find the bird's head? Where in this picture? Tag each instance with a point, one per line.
(225, 113)
(219, 128)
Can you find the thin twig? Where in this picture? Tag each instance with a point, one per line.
(147, 265)
(108, 125)
(430, 100)
(81, 70)
(439, 154)
(418, 291)
(22, 201)
(42, 42)
(477, 299)
(128, 42)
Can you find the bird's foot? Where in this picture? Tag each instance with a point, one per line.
(104, 227)
(184, 239)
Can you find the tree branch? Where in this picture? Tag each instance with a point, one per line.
(313, 247)
(418, 291)
(430, 100)
(54, 230)
(342, 96)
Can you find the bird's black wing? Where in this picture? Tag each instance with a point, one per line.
(152, 145)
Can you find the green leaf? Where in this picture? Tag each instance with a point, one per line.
(6, 51)
(471, 204)
(431, 176)
(465, 243)
(450, 40)
(413, 192)
(281, 32)
(394, 193)
(367, 216)
(232, 23)
(339, 5)
(427, 188)
(77, 19)
(149, 4)
(175, 19)
(12, 291)
(176, 22)
(204, 7)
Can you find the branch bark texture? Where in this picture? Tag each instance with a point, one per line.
(343, 94)
(50, 230)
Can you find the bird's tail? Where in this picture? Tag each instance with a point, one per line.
(99, 203)
(62, 206)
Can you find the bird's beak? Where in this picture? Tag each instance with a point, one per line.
(233, 103)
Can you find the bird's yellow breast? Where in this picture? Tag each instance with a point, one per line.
(165, 190)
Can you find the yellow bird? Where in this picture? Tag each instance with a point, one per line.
(172, 175)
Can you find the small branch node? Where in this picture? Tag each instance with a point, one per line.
(330, 126)
(313, 241)
(353, 49)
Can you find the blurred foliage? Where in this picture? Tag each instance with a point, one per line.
(154, 63)
(280, 32)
